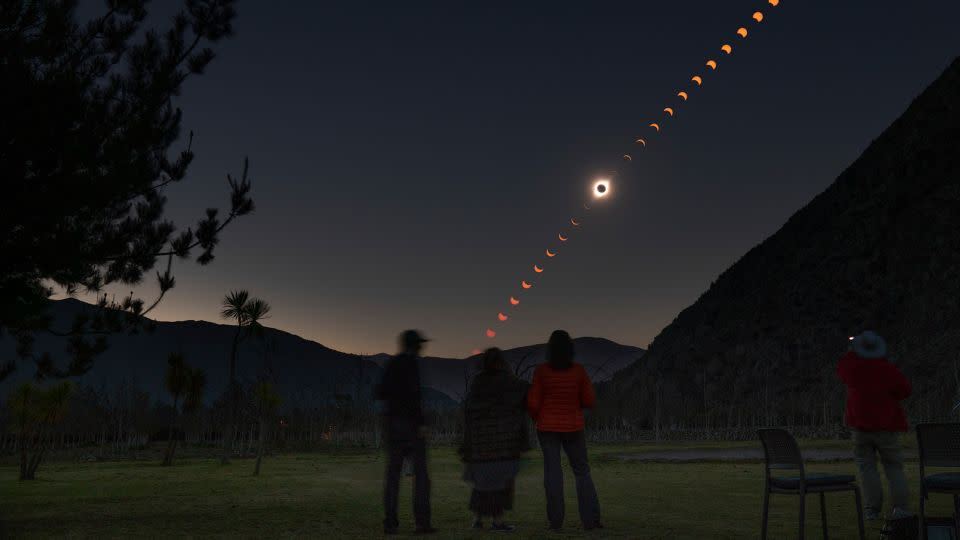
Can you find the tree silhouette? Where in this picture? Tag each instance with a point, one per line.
(247, 312)
(181, 381)
(36, 412)
(523, 367)
(86, 152)
(267, 401)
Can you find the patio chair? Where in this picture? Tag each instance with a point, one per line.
(939, 447)
(781, 453)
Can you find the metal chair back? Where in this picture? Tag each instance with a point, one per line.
(939, 444)
(780, 450)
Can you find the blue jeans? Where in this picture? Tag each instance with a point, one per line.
(575, 446)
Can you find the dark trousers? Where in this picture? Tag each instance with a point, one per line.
(414, 449)
(575, 446)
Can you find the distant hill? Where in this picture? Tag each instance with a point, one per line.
(878, 249)
(305, 372)
(601, 357)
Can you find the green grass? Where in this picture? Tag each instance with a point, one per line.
(338, 495)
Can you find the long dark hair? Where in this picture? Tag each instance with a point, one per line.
(560, 350)
(493, 360)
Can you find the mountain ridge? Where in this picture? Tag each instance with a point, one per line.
(601, 357)
(877, 249)
(306, 370)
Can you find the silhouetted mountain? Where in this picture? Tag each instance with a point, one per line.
(601, 357)
(879, 249)
(305, 372)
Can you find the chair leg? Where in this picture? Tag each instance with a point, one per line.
(856, 494)
(766, 514)
(923, 516)
(803, 502)
(823, 515)
(956, 514)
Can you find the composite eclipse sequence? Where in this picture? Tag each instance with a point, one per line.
(601, 188)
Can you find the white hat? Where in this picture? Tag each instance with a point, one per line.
(870, 345)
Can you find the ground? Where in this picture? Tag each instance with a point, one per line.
(338, 494)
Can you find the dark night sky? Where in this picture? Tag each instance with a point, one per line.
(412, 160)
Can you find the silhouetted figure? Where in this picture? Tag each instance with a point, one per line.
(405, 431)
(561, 390)
(875, 388)
(494, 436)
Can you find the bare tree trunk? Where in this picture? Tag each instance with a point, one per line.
(766, 394)
(706, 410)
(35, 462)
(356, 400)
(263, 431)
(29, 464)
(23, 458)
(233, 407)
(657, 411)
(171, 442)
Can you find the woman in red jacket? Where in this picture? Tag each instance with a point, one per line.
(875, 388)
(560, 391)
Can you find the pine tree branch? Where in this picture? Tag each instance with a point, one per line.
(81, 50)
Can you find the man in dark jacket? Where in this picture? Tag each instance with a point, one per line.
(405, 431)
(875, 388)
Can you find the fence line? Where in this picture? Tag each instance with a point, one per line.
(310, 437)
(246, 439)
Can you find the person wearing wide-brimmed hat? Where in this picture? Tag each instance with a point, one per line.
(405, 431)
(875, 388)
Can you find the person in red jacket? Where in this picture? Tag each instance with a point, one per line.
(560, 391)
(875, 388)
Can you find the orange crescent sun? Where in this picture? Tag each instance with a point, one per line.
(574, 222)
(697, 79)
(727, 49)
(514, 301)
(491, 333)
(758, 16)
(501, 316)
(683, 95)
(742, 32)
(655, 126)
(551, 254)
(562, 237)
(712, 64)
(525, 285)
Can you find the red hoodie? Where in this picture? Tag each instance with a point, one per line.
(557, 398)
(875, 388)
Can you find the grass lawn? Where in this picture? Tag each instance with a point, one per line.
(338, 495)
